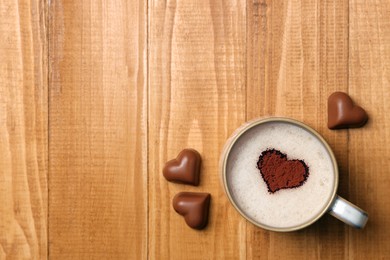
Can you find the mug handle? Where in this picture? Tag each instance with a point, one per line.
(348, 213)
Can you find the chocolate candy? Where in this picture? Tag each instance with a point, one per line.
(194, 207)
(343, 113)
(185, 168)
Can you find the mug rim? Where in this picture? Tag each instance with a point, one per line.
(253, 123)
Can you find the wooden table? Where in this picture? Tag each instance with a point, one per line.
(95, 96)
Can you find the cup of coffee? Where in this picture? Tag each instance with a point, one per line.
(281, 175)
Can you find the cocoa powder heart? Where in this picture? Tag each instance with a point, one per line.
(280, 173)
(194, 207)
(343, 113)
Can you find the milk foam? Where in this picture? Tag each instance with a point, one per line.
(285, 208)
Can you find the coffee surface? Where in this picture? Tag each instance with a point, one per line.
(285, 208)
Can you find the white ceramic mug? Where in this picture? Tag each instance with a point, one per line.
(335, 205)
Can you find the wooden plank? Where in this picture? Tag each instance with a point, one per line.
(196, 99)
(369, 157)
(297, 56)
(98, 140)
(23, 130)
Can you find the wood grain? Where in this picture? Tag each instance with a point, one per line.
(369, 157)
(297, 56)
(196, 99)
(98, 140)
(23, 130)
(95, 96)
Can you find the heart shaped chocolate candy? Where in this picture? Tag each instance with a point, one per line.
(343, 113)
(185, 168)
(194, 207)
(280, 173)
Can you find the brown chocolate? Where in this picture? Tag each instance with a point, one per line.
(194, 207)
(280, 173)
(343, 113)
(185, 168)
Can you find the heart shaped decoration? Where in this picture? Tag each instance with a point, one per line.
(194, 207)
(280, 173)
(185, 168)
(343, 113)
